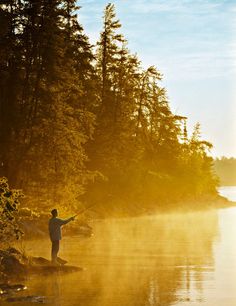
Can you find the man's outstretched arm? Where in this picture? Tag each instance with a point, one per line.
(63, 222)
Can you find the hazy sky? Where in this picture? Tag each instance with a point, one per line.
(193, 43)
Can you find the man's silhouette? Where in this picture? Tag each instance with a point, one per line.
(55, 233)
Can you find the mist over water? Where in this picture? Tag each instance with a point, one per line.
(169, 259)
(229, 192)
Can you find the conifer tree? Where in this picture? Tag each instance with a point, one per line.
(67, 113)
(53, 121)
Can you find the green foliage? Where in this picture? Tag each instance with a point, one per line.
(139, 144)
(9, 204)
(45, 100)
(71, 115)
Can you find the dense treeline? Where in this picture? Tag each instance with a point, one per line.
(82, 120)
(225, 168)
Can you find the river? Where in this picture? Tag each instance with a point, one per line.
(169, 259)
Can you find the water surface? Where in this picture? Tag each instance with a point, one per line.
(171, 259)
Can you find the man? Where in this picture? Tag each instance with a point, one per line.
(55, 233)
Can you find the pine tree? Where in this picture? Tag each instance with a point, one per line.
(53, 100)
(67, 114)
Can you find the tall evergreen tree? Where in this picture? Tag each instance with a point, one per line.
(51, 104)
(66, 113)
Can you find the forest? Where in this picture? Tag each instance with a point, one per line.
(84, 124)
(225, 169)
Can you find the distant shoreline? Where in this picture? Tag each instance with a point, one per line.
(225, 185)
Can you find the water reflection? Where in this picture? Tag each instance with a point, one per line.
(163, 260)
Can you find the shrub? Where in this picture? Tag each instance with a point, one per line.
(9, 203)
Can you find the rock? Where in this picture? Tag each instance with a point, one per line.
(12, 265)
(7, 288)
(28, 298)
(41, 261)
(44, 266)
(61, 261)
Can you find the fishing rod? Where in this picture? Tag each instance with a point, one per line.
(83, 210)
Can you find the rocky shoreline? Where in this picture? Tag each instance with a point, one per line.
(16, 266)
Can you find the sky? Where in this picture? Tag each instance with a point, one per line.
(193, 44)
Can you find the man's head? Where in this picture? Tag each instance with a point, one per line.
(54, 212)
